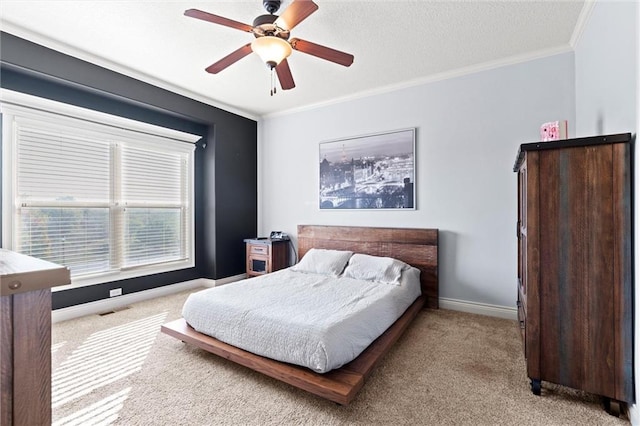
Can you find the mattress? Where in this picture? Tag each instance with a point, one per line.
(312, 320)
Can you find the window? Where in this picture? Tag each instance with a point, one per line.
(110, 198)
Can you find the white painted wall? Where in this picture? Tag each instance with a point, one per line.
(606, 70)
(468, 132)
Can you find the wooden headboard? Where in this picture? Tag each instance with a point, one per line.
(416, 246)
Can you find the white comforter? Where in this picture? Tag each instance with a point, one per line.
(306, 319)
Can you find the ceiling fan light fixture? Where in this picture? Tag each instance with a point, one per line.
(272, 42)
(272, 50)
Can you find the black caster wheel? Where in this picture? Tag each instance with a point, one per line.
(612, 406)
(536, 386)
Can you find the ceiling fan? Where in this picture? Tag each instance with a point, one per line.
(272, 41)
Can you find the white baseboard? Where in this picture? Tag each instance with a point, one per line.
(208, 282)
(106, 305)
(479, 308)
(112, 303)
(634, 415)
(228, 280)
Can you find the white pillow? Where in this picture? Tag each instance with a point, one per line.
(375, 268)
(323, 261)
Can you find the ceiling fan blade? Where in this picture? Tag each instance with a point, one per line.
(205, 16)
(230, 59)
(284, 75)
(297, 12)
(322, 52)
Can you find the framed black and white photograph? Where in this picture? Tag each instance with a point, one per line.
(369, 172)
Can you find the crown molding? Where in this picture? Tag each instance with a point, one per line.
(48, 42)
(513, 60)
(583, 20)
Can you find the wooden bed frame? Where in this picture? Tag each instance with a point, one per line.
(417, 247)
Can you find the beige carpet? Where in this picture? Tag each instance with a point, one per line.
(448, 368)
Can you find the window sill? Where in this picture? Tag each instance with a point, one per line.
(123, 275)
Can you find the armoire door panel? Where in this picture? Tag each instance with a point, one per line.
(598, 300)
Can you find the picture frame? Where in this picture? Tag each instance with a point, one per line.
(370, 172)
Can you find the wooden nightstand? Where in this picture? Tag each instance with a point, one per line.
(265, 255)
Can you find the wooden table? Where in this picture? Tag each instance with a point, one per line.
(25, 337)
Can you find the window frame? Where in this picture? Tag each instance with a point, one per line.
(16, 106)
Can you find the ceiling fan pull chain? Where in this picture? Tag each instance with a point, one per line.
(273, 82)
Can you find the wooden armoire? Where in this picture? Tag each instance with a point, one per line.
(575, 295)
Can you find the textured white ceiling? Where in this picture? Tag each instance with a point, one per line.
(395, 43)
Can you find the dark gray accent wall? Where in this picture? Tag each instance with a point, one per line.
(225, 170)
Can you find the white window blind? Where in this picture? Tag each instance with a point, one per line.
(106, 201)
(154, 206)
(62, 197)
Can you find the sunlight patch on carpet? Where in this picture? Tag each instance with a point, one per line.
(54, 348)
(103, 412)
(104, 358)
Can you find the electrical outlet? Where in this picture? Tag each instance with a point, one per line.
(115, 292)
